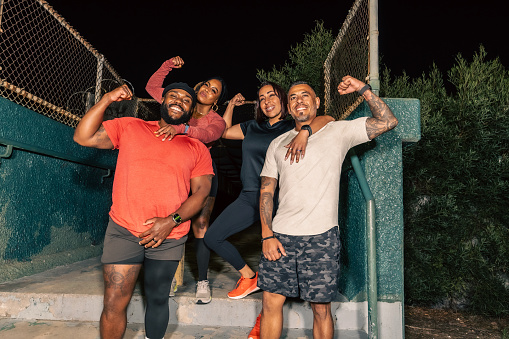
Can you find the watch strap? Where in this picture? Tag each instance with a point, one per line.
(307, 128)
(364, 89)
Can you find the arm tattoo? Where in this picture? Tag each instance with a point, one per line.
(101, 134)
(265, 182)
(266, 207)
(267, 200)
(383, 120)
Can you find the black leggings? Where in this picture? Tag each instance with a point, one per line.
(238, 216)
(158, 276)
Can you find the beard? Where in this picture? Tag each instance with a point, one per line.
(301, 118)
(184, 118)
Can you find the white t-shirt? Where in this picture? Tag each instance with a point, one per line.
(309, 189)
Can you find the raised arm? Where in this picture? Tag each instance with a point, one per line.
(297, 147)
(90, 131)
(383, 119)
(162, 227)
(233, 132)
(155, 83)
(271, 247)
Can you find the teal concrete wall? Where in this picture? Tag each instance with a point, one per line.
(382, 163)
(52, 211)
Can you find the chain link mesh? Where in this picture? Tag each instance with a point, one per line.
(46, 66)
(349, 55)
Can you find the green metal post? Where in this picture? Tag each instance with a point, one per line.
(371, 247)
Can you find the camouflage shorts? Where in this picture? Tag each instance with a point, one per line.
(310, 269)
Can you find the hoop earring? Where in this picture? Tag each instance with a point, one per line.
(216, 107)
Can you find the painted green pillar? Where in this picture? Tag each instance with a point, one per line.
(382, 162)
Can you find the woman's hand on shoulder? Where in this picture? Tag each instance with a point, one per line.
(297, 147)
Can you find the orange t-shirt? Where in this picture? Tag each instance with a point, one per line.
(152, 177)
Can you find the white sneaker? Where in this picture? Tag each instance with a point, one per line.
(173, 287)
(203, 292)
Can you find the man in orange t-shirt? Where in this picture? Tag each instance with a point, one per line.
(149, 217)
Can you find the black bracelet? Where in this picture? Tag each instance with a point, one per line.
(307, 128)
(364, 89)
(272, 236)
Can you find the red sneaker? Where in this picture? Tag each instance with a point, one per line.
(244, 288)
(255, 332)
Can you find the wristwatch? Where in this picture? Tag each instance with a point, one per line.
(177, 219)
(307, 128)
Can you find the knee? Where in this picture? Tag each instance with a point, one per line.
(201, 223)
(113, 305)
(322, 311)
(156, 298)
(272, 303)
(209, 239)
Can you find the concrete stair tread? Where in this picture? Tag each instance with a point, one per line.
(12, 328)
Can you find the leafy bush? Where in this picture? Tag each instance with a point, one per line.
(456, 186)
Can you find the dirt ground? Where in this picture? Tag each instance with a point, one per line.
(427, 323)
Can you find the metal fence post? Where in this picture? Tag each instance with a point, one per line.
(1, 12)
(99, 77)
(374, 76)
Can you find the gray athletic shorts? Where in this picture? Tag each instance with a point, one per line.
(122, 247)
(310, 269)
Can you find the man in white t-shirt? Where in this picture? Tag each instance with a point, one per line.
(301, 243)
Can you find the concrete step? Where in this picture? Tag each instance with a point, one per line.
(39, 329)
(74, 294)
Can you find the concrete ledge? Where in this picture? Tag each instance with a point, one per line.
(350, 316)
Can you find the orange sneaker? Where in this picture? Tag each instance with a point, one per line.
(255, 332)
(244, 288)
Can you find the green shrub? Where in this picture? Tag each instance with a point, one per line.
(456, 187)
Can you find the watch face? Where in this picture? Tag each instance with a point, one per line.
(177, 218)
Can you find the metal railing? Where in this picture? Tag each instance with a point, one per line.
(12, 144)
(371, 247)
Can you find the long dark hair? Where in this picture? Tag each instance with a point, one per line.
(280, 92)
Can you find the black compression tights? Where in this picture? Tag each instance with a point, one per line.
(158, 276)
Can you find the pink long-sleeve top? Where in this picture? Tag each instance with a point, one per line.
(206, 129)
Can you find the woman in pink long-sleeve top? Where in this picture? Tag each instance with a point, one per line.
(207, 126)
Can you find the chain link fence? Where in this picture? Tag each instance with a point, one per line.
(349, 55)
(46, 66)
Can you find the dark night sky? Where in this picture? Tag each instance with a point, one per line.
(234, 38)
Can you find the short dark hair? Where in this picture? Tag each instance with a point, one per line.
(280, 92)
(300, 82)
